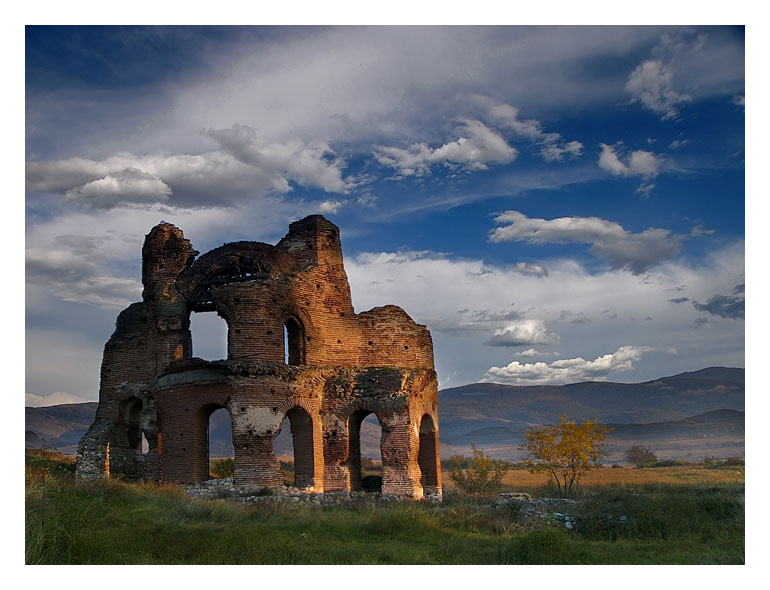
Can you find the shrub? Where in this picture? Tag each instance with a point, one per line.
(223, 469)
(565, 451)
(483, 475)
(640, 456)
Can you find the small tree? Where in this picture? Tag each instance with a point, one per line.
(565, 451)
(483, 475)
(640, 456)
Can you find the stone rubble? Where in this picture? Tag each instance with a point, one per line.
(223, 489)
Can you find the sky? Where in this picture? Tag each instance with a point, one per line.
(556, 204)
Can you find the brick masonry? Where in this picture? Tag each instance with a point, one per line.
(341, 367)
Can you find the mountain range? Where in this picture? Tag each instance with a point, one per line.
(685, 416)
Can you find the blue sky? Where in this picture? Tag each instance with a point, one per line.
(556, 204)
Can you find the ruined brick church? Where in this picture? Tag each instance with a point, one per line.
(295, 349)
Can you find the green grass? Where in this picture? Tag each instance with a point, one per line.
(109, 522)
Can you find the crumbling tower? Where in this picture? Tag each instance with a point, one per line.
(341, 367)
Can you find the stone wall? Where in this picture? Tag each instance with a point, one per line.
(339, 367)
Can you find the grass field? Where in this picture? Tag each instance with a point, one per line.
(673, 515)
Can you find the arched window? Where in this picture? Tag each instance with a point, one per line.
(293, 342)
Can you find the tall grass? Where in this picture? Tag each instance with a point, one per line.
(111, 522)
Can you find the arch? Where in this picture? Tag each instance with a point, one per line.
(427, 456)
(354, 461)
(124, 449)
(294, 341)
(231, 263)
(301, 425)
(201, 438)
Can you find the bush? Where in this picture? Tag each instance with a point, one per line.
(617, 466)
(223, 469)
(483, 475)
(640, 456)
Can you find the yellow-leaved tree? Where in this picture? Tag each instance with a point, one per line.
(565, 451)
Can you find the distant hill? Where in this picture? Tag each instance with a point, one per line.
(680, 416)
(60, 426)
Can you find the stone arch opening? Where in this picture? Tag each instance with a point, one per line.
(220, 437)
(300, 427)
(125, 457)
(208, 334)
(364, 449)
(427, 455)
(293, 341)
(200, 442)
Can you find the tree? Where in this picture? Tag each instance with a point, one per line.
(640, 456)
(483, 474)
(565, 451)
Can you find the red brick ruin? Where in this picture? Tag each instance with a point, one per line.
(341, 367)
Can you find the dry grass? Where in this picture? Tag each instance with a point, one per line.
(522, 480)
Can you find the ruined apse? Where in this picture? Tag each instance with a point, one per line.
(296, 349)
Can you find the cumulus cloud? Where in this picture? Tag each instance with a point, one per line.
(550, 144)
(521, 333)
(636, 252)
(567, 370)
(313, 164)
(476, 148)
(329, 206)
(652, 84)
(639, 162)
(724, 306)
(246, 166)
(129, 185)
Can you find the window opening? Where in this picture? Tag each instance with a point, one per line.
(209, 336)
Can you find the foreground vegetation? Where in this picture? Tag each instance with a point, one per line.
(110, 522)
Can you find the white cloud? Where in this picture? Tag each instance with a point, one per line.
(699, 230)
(640, 163)
(617, 304)
(652, 84)
(312, 164)
(531, 352)
(248, 166)
(609, 240)
(522, 333)
(329, 206)
(34, 400)
(477, 146)
(551, 145)
(567, 370)
(531, 268)
(129, 185)
(72, 274)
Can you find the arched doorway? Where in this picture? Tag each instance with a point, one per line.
(297, 425)
(220, 437)
(364, 447)
(202, 441)
(427, 455)
(125, 456)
